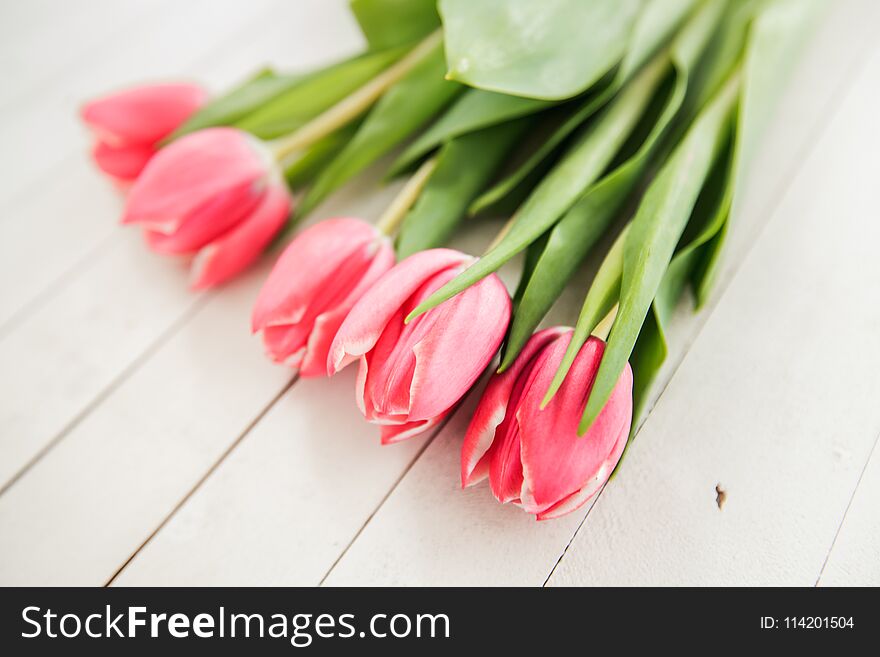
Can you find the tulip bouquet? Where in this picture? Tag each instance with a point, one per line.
(616, 124)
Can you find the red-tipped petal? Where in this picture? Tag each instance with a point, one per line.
(232, 253)
(142, 115)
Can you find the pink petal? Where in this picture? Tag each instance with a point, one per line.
(218, 215)
(393, 359)
(314, 256)
(198, 177)
(395, 433)
(232, 253)
(467, 331)
(122, 162)
(576, 500)
(327, 324)
(142, 115)
(364, 324)
(285, 345)
(493, 406)
(556, 461)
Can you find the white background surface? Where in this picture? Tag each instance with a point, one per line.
(144, 438)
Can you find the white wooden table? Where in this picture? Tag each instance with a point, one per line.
(144, 438)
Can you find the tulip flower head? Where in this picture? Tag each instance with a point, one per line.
(129, 125)
(313, 286)
(216, 194)
(412, 374)
(534, 457)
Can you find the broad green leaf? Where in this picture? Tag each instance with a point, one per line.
(314, 94)
(391, 23)
(585, 161)
(464, 166)
(656, 229)
(655, 24)
(405, 107)
(473, 110)
(552, 50)
(600, 203)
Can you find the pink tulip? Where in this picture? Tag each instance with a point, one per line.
(216, 194)
(533, 457)
(313, 286)
(130, 124)
(412, 374)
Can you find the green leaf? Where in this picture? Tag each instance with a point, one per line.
(229, 108)
(771, 33)
(604, 292)
(304, 169)
(709, 217)
(656, 229)
(464, 166)
(552, 50)
(391, 23)
(586, 160)
(654, 26)
(405, 107)
(600, 203)
(314, 94)
(474, 110)
(777, 33)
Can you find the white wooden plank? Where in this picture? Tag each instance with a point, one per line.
(90, 502)
(471, 538)
(111, 303)
(287, 501)
(63, 356)
(776, 402)
(855, 557)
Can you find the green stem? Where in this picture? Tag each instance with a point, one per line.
(390, 220)
(353, 105)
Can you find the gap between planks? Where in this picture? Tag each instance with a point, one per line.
(846, 511)
(235, 443)
(103, 394)
(238, 441)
